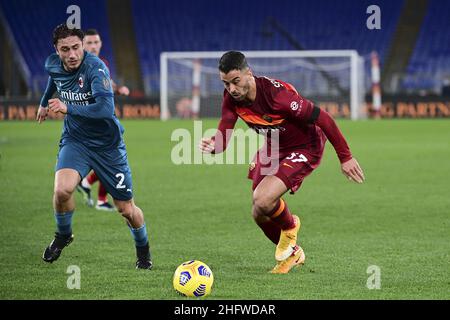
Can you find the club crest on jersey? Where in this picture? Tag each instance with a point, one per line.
(80, 81)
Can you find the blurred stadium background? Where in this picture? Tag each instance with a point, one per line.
(412, 45)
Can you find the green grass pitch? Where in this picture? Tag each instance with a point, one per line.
(399, 220)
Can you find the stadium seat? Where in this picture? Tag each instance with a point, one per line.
(198, 26)
(32, 25)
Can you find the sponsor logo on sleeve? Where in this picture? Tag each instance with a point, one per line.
(297, 106)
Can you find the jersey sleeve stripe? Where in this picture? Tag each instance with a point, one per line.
(314, 115)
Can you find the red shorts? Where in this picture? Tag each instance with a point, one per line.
(291, 168)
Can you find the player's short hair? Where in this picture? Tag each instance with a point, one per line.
(232, 60)
(91, 32)
(63, 31)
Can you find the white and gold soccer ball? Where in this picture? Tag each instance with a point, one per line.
(193, 279)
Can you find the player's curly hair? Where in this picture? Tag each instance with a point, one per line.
(232, 60)
(63, 31)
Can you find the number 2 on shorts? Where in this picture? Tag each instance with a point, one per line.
(121, 176)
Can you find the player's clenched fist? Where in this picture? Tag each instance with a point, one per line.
(56, 105)
(207, 145)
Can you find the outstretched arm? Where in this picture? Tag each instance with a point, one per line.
(304, 111)
(219, 142)
(350, 167)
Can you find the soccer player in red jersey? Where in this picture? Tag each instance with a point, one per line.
(93, 43)
(296, 129)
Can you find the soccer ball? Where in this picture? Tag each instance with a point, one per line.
(193, 279)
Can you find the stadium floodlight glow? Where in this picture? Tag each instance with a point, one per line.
(190, 82)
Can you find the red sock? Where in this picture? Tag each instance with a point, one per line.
(102, 194)
(92, 178)
(281, 216)
(271, 230)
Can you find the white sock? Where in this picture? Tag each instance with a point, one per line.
(85, 183)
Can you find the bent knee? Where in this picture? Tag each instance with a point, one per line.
(63, 194)
(126, 210)
(127, 215)
(262, 205)
(255, 214)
